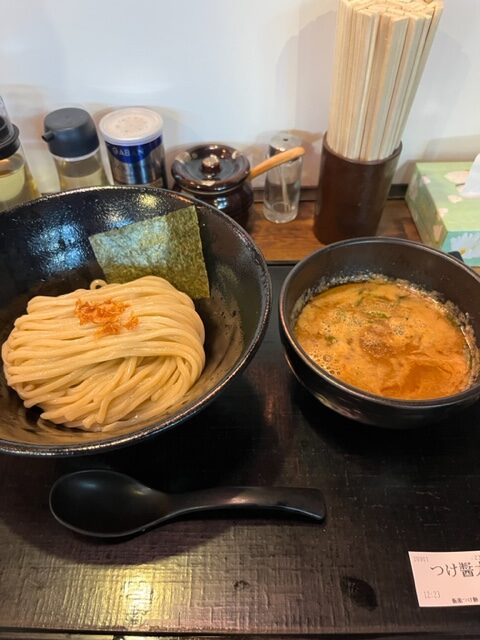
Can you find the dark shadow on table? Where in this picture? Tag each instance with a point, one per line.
(457, 437)
(231, 442)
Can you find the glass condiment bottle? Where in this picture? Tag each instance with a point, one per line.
(283, 183)
(16, 182)
(73, 141)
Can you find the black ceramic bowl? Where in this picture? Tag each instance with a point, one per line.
(44, 249)
(394, 258)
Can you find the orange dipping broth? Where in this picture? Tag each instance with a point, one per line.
(389, 338)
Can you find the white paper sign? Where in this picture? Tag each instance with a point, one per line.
(446, 579)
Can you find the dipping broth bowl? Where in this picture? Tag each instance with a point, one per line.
(394, 258)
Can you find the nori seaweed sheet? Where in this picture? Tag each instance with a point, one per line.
(168, 246)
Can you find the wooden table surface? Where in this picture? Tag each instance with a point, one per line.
(386, 492)
(295, 239)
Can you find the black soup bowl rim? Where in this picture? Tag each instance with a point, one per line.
(286, 325)
(191, 409)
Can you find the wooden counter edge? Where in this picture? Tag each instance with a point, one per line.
(294, 240)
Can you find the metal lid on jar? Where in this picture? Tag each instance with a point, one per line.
(283, 141)
(131, 125)
(210, 168)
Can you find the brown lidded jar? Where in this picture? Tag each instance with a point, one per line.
(218, 175)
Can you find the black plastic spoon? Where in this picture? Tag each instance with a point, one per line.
(107, 504)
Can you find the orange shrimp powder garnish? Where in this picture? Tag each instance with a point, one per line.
(107, 315)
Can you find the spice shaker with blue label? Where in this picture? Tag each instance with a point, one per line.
(134, 141)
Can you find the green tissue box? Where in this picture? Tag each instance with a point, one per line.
(444, 218)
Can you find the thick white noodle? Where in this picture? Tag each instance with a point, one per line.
(82, 378)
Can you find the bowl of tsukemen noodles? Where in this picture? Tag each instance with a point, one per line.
(124, 312)
(384, 331)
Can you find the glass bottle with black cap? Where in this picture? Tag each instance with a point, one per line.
(73, 141)
(16, 182)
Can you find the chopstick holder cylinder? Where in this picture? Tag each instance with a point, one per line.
(351, 194)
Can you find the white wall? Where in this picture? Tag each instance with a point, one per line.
(225, 70)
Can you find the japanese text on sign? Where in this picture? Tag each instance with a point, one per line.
(446, 579)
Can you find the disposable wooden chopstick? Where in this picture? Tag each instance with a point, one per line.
(345, 73)
(391, 37)
(350, 74)
(342, 76)
(337, 84)
(415, 30)
(371, 23)
(343, 54)
(357, 59)
(381, 49)
(430, 12)
(342, 46)
(430, 28)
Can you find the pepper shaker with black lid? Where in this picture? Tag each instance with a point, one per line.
(73, 141)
